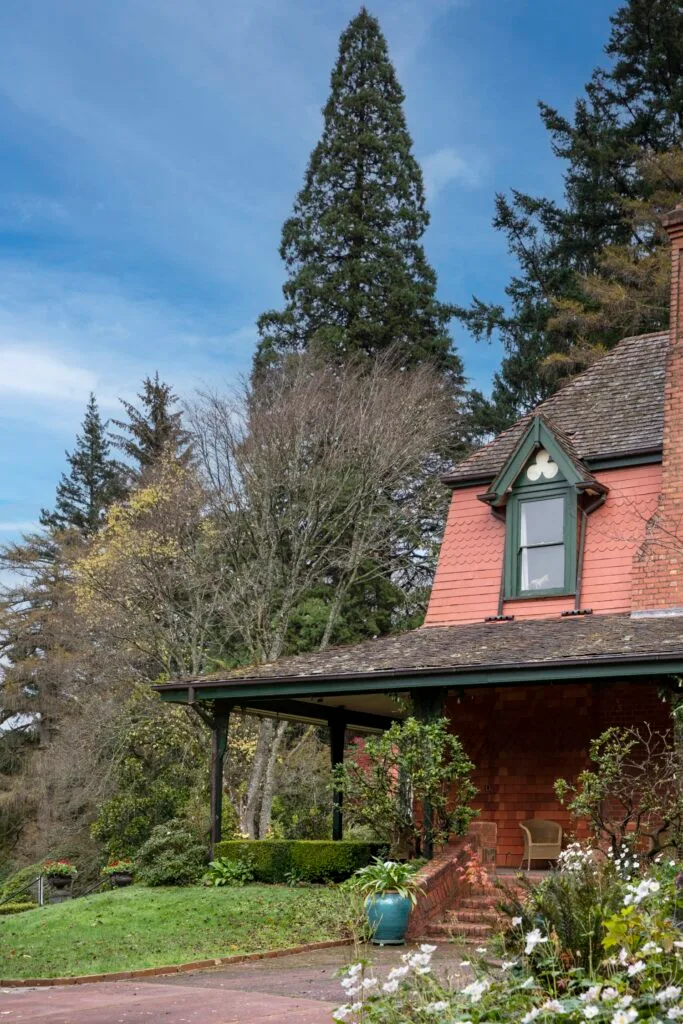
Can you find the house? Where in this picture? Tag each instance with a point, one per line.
(557, 606)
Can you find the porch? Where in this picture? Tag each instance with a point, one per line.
(523, 723)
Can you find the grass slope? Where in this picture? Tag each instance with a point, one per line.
(137, 927)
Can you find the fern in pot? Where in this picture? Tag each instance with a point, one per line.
(390, 889)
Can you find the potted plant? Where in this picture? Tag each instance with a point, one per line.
(119, 872)
(390, 890)
(60, 873)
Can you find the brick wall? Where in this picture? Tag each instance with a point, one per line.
(521, 738)
(658, 565)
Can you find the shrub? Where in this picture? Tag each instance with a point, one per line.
(15, 908)
(312, 860)
(229, 872)
(172, 855)
(15, 882)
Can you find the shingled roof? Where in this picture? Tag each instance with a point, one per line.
(614, 408)
(534, 644)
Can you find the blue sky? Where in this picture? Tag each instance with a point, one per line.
(151, 149)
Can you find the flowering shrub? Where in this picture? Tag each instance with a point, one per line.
(60, 868)
(635, 972)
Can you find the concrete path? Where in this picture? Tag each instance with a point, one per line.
(301, 989)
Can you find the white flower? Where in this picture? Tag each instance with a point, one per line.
(650, 947)
(553, 1006)
(507, 964)
(416, 960)
(527, 983)
(623, 956)
(476, 989)
(436, 1007)
(625, 1001)
(516, 921)
(625, 1016)
(590, 1011)
(480, 949)
(637, 968)
(679, 945)
(591, 994)
(609, 994)
(350, 984)
(531, 1015)
(398, 972)
(426, 948)
(390, 987)
(369, 982)
(465, 963)
(422, 970)
(533, 939)
(637, 893)
(674, 1013)
(341, 1013)
(355, 1007)
(668, 994)
(354, 969)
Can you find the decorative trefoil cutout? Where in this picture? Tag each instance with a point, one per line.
(542, 468)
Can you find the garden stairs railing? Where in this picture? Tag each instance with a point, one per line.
(38, 888)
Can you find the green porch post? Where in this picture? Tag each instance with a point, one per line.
(428, 705)
(337, 735)
(219, 744)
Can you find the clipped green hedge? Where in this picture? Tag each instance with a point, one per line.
(15, 908)
(310, 860)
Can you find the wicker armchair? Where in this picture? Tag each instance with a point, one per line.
(542, 840)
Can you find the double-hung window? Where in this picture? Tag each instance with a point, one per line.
(540, 547)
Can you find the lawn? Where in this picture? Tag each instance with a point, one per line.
(137, 927)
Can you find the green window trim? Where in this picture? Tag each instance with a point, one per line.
(513, 546)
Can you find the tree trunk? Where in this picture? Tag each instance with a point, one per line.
(269, 780)
(258, 770)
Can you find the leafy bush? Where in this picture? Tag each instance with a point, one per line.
(173, 855)
(15, 882)
(384, 876)
(229, 872)
(15, 908)
(433, 769)
(308, 860)
(572, 905)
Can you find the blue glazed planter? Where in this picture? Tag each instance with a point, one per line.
(388, 918)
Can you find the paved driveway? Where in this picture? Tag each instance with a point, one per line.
(301, 989)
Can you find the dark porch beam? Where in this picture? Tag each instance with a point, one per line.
(219, 744)
(323, 713)
(337, 737)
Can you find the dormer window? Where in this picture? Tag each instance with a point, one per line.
(541, 531)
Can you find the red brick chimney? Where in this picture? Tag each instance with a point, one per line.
(658, 565)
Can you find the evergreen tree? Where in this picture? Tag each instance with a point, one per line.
(92, 483)
(631, 110)
(153, 429)
(358, 279)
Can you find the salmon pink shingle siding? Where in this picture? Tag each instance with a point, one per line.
(468, 578)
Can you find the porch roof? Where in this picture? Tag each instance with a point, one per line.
(486, 653)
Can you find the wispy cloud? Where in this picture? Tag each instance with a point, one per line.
(19, 526)
(27, 371)
(446, 166)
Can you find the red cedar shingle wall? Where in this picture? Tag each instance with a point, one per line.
(522, 738)
(468, 575)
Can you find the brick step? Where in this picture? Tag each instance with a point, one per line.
(461, 929)
(458, 915)
(476, 902)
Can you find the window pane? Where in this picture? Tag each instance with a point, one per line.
(542, 521)
(543, 568)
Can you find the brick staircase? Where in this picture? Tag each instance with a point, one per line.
(474, 918)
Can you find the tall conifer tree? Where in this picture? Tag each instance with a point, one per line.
(358, 278)
(631, 109)
(94, 479)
